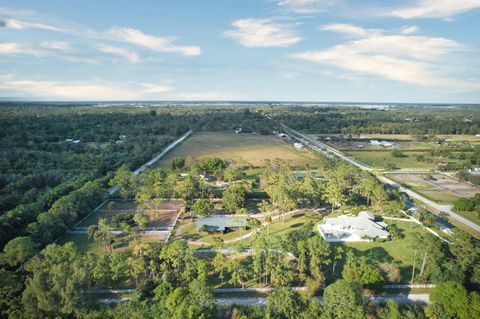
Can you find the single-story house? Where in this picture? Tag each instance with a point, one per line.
(353, 228)
(222, 224)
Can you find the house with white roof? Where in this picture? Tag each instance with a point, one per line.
(353, 228)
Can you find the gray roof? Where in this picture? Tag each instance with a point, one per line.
(216, 223)
(362, 225)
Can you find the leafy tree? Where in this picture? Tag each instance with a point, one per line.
(342, 300)
(358, 270)
(391, 311)
(10, 290)
(233, 173)
(397, 153)
(124, 180)
(238, 273)
(219, 263)
(395, 232)
(284, 303)
(18, 250)
(141, 219)
(234, 198)
(450, 299)
(334, 193)
(202, 207)
(178, 162)
(59, 277)
(187, 188)
(465, 249)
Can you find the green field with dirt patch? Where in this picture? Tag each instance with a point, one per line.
(440, 188)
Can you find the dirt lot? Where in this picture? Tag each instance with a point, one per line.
(163, 216)
(438, 187)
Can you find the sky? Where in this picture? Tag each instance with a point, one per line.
(425, 51)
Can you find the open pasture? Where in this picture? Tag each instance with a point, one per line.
(242, 149)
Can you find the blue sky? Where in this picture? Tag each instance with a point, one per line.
(289, 50)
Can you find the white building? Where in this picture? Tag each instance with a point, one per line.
(222, 184)
(386, 144)
(353, 228)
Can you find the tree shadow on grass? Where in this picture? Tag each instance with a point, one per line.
(296, 225)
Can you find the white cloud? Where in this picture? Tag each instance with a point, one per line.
(159, 44)
(82, 90)
(409, 29)
(120, 52)
(209, 96)
(254, 33)
(404, 58)
(10, 48)
(55, 45)
(435, 9)
(307, 6)
(22, 25)
(349, 29)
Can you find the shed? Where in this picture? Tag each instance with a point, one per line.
(221, 224)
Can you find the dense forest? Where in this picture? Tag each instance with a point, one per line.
(40, 162)
(404, 120)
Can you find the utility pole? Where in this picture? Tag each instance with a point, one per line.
(423, 263)
(413, 267)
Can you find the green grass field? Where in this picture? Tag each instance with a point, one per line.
(379, 159)
(242, 149)
(399, 251)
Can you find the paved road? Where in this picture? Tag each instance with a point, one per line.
(399, 298)
(328, 150)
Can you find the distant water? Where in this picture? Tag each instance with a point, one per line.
(373, 105)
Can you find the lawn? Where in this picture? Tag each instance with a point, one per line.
(243, 149)
(399, 251)
(378, 159)
(277, 228)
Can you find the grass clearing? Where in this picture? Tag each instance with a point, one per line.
(243, 149)
(399, 251)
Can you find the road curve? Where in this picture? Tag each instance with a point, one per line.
(318, 146)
